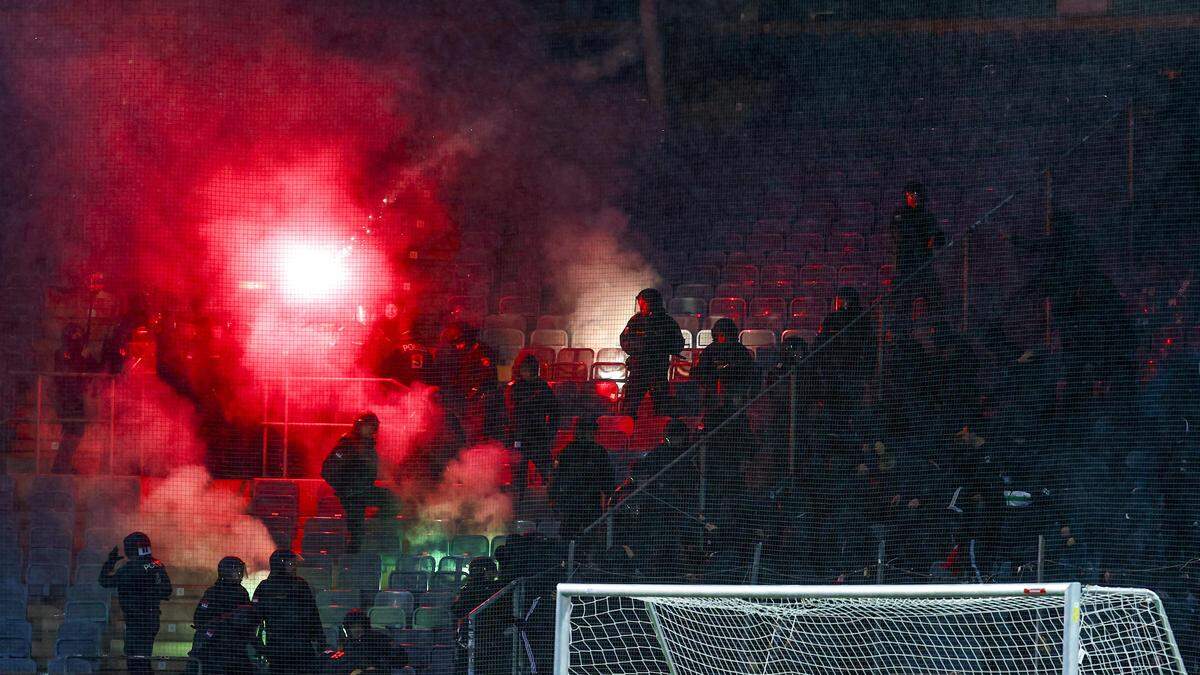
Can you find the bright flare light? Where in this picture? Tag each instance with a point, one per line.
(314, 273)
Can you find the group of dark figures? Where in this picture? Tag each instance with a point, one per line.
(280, 622)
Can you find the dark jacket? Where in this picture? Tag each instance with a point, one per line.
(141, 583)
(287, 606)
(374, 650)
(584, 474)
(650, 340)
(352, 466)
(225, 621)
(916, 235)
(727, 363)
(849, 350)
(532, 412)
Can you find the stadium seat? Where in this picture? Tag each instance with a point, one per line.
(61, 501)
(549, 337)
(681, 366)
(470, 545)
(20, 666)
(318, 576)
(505, 322)
(413, 582)
(86, 610)
(785, 257)
(498, 541)
(281, 528)
(582, 355)
(574, 371)
(16, 637)
(431, 618)
(338, 597)
(702, 291)
(803, 334)
(387, 618)
(80, 639)
(762, 242)
(777, 281)
(816, 276)
(886, 276)
(731, 307)
(806, 243)
(445, 582)
(767, 313)
(708, 258)
(707, 275)
(848, 245)
(268, 505)
(856, 277)
(325, 543)
(742, 258)
(687, 337)
(519, 304)
(505, 344)
(807, 312)
(48, 569)
(360, 571)
(692, 305)
(648, 433)
(334, 615)
(390, 598)
(454, 563)
(606, 370)
(52, 531)
(704, 337)
(329, 506)
(745, 276)
(554, 321)
(756, 338)
(611, 355)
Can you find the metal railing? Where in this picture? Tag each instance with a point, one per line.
(41, 418)
(287, 388)
(517, 588)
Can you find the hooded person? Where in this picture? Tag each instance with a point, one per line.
(916, 237)
(224, 621)
(142, 584)
(292, 625)
(650, 338)
(725, 370)
(361, 648)
(532, 420)
(351, 469)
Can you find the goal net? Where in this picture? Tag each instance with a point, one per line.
(823, 630)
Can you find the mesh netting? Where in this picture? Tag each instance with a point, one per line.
(457, 301)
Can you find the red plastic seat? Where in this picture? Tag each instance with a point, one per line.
(807, 312)
(762, 242)
(734, 308)
(519, 304)
(816, 276)
(767, 312)
(745, 276)
(582, 355)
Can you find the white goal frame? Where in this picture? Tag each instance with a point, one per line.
(1071, 594)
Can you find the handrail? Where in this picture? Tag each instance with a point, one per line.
(470, 620)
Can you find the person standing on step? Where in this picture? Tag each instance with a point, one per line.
(142, 583)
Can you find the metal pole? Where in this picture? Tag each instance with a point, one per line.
(518, 605)
(879, 561)
(37, 432)
(608, 530)
(754, 562)
(703, 485)
(966, 282)
(112, 421)
(793, 422)
(562, 633)
(287, 402)
(471, 644)
(1071, 616)
(1041, 556)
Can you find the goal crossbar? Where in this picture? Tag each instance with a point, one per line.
(679, 629)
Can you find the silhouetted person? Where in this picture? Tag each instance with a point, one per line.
(650, 338)
(583, 480)
(480, 585)
(225, 622)
(71, 386)
(351, 469)
(916, 237)
(466, 375)
(662, 507)
(532, 421)
(725, 369)
(142, 583)
(290, 618)
(793, 353)
(364, 649)
(845, 342)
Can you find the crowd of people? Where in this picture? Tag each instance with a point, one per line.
(949, 453)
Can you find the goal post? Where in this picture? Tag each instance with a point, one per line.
(618, 629)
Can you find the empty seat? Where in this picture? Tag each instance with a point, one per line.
(319, 577)
(505, 321)
(807, 312)
(702, 291)
(268, 505)
(558, 321)
(52, 531)
(806, 242)
(745, 276)
(445, 582)
(389, 617)
(505, 343)
(730, 307)
(694, 306)
(413, 582)
(816, 275)
(847, 244)
(777, 281)
(713, 258)
(338, 597)
(324, 543)
(62, 665)
(767, 313)
(704, 337)
(582, 355)
(416, 563)
(605, 370)
(14, 599)
(79, 639)
(549, 337)
(469, 545)
(431, 618)
(87, 610)
(454, 563)
(519, 304)
(469, 308)
(854, 276)
(16, 638)
(762, 242)
(792, 259)
(886, 276)
(394, 598)
(48, 568)
(360, 571)
(333, 615)
(755, 339)
(573, 371)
